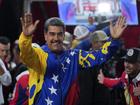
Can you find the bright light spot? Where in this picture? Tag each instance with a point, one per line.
(104, 8)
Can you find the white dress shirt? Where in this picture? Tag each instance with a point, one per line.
(5, 80)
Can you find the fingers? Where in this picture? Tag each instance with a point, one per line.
(28, 27)
(125, 25)
(28, 19)
(100, 77)
(101, 72)
(117, 29)
(22, 22)
(36, 23)
(121, 22)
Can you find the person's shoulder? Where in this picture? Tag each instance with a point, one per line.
(24, 74)
(23, 79)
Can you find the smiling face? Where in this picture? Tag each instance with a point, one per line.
(54, 38)
(4, 50)
(132, 69)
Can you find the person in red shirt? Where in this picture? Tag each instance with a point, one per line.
(130, 77)
(21, 90)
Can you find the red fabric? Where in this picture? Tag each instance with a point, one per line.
(21, 94)
(131, 36)
(73, 95)
(111, 82)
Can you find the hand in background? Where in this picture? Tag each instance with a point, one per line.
(101, 77)
(117, 29)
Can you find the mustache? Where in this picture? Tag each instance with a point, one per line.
(56, 41)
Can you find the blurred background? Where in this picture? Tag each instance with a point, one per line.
(12, 10)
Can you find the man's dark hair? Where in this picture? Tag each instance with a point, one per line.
(53, 22)
(4, 40)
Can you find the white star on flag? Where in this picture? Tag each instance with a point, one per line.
(55, 78)
(53, 90)
(102, 58)
(72, 53)
(49, 102)
(68, 60)
(63, 67)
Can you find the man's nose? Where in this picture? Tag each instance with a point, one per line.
(56, 37)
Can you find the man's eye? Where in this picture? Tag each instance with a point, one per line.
(51, 33)
(60, 33)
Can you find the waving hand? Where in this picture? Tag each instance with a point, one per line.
(117, 29)
(28, 27)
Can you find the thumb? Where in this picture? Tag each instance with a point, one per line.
(36, 23)
(101, 72)
(100, 77)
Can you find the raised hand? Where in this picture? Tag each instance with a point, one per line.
(100, 77)
(117, 29)
(28, 27)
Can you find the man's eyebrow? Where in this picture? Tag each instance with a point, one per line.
(56, 32)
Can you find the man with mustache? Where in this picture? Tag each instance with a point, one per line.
(54, 71)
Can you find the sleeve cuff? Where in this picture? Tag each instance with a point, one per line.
(25, 36)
